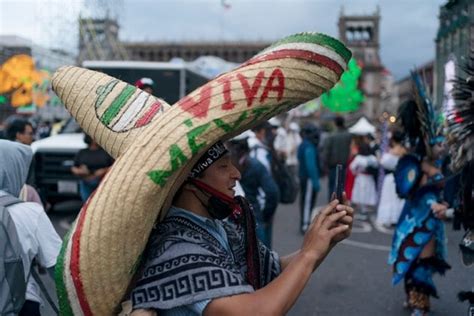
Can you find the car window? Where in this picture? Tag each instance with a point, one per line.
(71, 126)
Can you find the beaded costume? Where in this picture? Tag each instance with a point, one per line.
(418, 226)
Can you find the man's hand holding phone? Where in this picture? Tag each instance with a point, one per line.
(348, 219)
(343, 205)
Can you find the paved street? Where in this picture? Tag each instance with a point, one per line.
(354, 279)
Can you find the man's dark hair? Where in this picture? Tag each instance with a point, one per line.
(239, 147)
(398, 136)
(339, 121)
(263, 125)
(364, 149)
(16, 126)
(87, 139)
(310, 132)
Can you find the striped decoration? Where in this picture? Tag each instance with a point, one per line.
(315, 48)
(128, 107)
(318, 39)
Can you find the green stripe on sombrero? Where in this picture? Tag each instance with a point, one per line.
(317, 38)
(64, 306)
(117, 104)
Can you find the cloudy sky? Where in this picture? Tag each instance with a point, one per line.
(408, 27)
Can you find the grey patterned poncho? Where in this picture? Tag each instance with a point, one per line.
(186, 264)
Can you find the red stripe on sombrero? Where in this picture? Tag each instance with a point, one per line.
(74, 264)
(149, 115)
(300, 54)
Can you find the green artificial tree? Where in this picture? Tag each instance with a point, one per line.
(345, 96)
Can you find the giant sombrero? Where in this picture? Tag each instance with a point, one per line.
(155, 146)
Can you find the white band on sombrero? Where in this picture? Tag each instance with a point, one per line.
(156, 145)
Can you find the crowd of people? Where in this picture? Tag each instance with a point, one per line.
(395, 178)
(375, 183)
(309, 154)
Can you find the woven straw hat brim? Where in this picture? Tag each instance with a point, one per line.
(100, 256)
(86, 94)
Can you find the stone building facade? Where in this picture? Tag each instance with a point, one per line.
(454, 40)
(236, 52)
(405, 85)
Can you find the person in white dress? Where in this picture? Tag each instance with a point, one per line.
(364, 193)
(390, 205)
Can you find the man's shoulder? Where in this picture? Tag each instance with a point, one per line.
(83, 151)
(26, 216)
(259, 147)
(342, 134)
(254, 163)
(176, 237)
(179, 228)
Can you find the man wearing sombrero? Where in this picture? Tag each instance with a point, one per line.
(204, 263)
(172, 183)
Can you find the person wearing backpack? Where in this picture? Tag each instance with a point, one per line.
(255, 178)
(28, 235)
(336, 151)
(309, 173)
(259, 143)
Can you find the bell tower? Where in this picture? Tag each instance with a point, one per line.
(361, 34)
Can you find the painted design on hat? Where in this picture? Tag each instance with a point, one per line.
(130, 107)
(177, 156)
(335, 52)
(199, 103)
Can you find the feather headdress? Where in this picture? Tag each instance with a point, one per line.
(460, 119)
(418, 118)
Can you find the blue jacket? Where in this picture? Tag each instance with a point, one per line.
(308, 160)
(256, 176)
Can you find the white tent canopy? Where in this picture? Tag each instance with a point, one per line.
(362, 127)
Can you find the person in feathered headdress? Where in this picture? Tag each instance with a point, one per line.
(418, 247)
(460, 128)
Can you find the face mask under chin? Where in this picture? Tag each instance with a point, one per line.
(219, 209)
(219, 206)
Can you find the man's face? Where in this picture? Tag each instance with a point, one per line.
(222, 176)
(26, 137)
(260, 134)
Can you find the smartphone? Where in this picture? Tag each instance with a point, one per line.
(339, 188)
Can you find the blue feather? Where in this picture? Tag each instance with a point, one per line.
(411, 253)
(421, 238)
